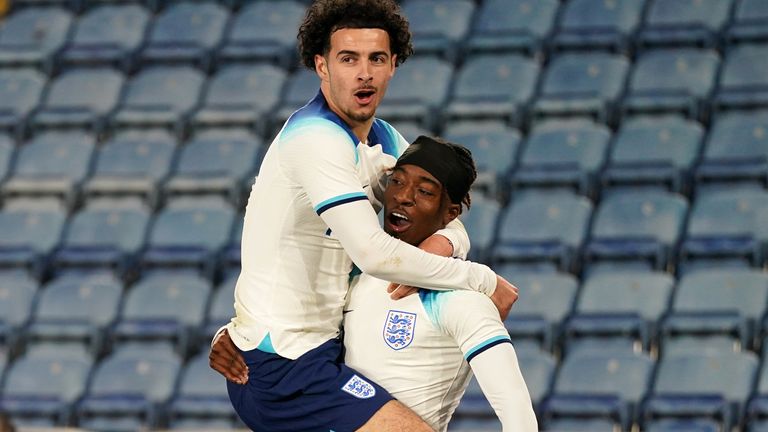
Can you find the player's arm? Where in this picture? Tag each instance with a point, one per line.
(473, 323)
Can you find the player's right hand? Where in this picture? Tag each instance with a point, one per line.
(225, 359)
(504, 297)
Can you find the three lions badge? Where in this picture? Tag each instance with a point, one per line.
(399, 328)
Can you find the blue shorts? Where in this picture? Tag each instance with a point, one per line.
(315, 392)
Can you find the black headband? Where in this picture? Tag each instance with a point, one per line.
(442, 162)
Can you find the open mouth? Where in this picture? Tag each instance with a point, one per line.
(398, 222)
(364, 96)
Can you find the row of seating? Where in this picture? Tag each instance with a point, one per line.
(449, 28)
(426, 90)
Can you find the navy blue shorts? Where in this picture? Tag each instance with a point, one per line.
(315, 392)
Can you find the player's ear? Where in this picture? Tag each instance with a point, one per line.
(321, 67)
(452, 212)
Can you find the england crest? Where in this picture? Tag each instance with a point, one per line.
(359, 388)
(399, 329)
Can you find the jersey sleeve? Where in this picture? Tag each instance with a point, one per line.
(471, 320)
(457, 235)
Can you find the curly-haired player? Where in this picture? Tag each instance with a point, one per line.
(311, 214)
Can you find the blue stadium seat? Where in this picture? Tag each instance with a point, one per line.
(684, 22)
(32, 36)
(417, 91)
(128, 389)
(132, 162)
(672, 80)
(582, 84)
(160, 96)
(216, 161)
(302, 86)
(29, 232)
(17, 294)
(473, 424)
(703, 385)
(186, 32)
(221, 309)
(682, 424)
(654, 150)
(77, 306)
(106, 233)
(493, 86)
(480, 222)
(736, 148)
(494, 148)
(609, 385)
(165, 305)
(538, 314)
(241, 95)
(202, 396)
(757, 410)
(108, 34)
(543, 226)
(512, 25)
(189, 232)
(80, 98)
(53, 163)
(538, 368)
(727, 223)
(20, 93)
(230, 256)
(638, 226)
(742, 83)
(598, 24)
(563, 153)
(411, 130)
(474, 404)
(579, 425)
(7, 149)
(749, 23)
(42, 389)
(263, 31)
(439, 27)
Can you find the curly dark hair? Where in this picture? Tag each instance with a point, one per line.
(326, 16)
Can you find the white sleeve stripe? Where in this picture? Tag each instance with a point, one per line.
(479, 348)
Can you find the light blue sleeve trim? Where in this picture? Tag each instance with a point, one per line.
(342, 197)
(484, 344)
(266, 345)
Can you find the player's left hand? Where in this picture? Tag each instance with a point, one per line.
(398, 291)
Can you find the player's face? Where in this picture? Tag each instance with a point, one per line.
(355, 73)
(415, 205)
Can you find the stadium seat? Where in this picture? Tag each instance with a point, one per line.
(202, 396)
(727, 223)
(32, 36)
(736, 149)
(682, 424)
(53, 163)
(742, 85)
(77, 306)
(563, 153)
(7, 149)
(480, 222)
(654, 150)
(598, 24)
(106, 233)
(79, 98)
(543, 226)
(411, 130)
(575, 424)
(165, 305)
(241, 95)
(301, 86)
(493, 86)
(578, 84)
(160, 96)
(189, 232)
(132, 162)
(703, 385)
(108, 34)
(129, 388)
(684, 22)
(512, 25)
(29, 232)
(41, 389)
(609, 385)
(439, 27)
(538, 368)
(221, 309)
(17, 294)
(186, 32)
(20, 93)
(757, 410)
(538, 315)
(749, 23)
(638, 226)
(474, 424)
(672, 80)
(263, 31)
(417, 91)
(216, 161)
(230, 256)
(494, 148)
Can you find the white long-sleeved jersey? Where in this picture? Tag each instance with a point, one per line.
(308, 218)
